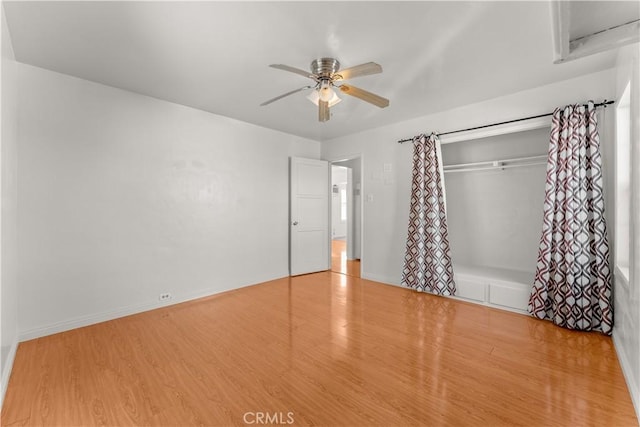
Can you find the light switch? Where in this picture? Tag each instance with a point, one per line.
(369, 197)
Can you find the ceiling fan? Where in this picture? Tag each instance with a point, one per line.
(325, 72)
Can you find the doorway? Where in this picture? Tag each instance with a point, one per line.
(346, 217)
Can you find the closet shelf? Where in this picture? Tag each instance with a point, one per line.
(497, 164)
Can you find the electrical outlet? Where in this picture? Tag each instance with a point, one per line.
(165, 297)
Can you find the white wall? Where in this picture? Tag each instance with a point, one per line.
(386, 190)
(626, 332)
(495, 217)
(122, 197)
(8, 226)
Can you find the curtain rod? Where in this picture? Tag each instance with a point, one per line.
(601, 104)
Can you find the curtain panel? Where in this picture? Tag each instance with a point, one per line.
(572, 285)
(427, 261)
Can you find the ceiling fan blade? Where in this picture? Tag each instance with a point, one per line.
(323, 111)
(369, 97)
(284, 94)
(357, 71)
(293, 70)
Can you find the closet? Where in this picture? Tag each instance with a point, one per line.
(494, 195)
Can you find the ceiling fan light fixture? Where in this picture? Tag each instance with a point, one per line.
(315, 96)
(326, 93)
(326, 71)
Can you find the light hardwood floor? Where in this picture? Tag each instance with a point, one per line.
(339, 261)
(328, 348)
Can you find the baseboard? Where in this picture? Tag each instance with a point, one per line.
(634, 391)
(389, 281)
(6, 372)
(378, 278)
(80, 322)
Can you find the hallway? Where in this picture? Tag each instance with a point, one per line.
(339, 261)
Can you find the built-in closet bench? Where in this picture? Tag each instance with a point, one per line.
(495, 287)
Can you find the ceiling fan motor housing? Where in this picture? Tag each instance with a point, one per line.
(325, 67)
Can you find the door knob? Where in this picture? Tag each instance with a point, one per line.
(295, 222)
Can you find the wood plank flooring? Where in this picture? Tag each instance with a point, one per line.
(339, 261)
(323, 349)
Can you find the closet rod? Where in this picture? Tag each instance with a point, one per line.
(523, 160)
(501, 167)
(603, 103)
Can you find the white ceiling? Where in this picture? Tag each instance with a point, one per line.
(215, 55)
(589, 17)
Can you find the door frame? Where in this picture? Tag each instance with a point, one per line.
(336, 159)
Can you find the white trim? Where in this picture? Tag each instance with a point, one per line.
(603, 41)
(627, 372)
(82, 321)
(622, 276)
(380, 279)
(507, 128)
(565, 49)
(344, 158)
(489, 305)
(560, 26)
(441, 167)
(391, 282)
(6, 372)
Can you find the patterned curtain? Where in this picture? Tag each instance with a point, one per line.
(572, 285)
(427, 261)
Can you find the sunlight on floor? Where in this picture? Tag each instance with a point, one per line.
(339, 261)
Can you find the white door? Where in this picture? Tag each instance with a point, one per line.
(309, 227)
